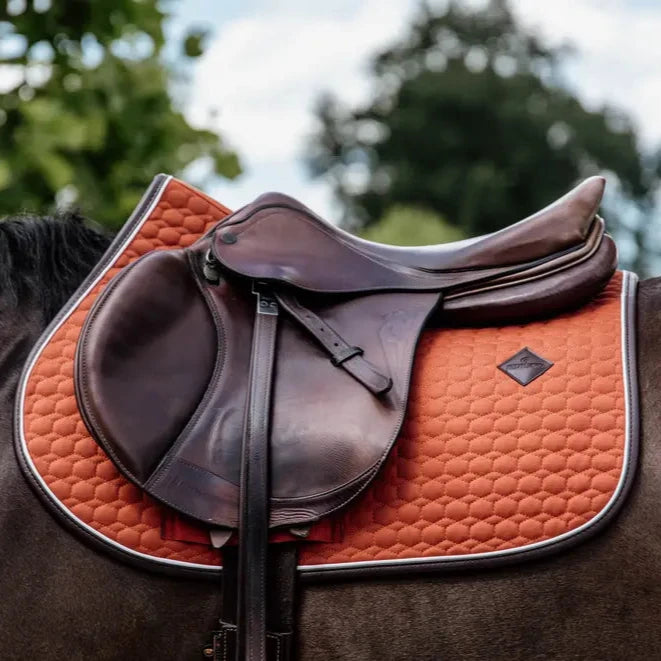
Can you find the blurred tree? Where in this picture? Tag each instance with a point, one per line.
(410, 226)
(469, 119)
(88, 117)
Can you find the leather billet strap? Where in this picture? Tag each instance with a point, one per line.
(343, 354)
(254, 495)
(280, 605)
(251, 628)
(278, 645)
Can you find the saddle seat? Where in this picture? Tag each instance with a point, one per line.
(562, 225)
(299, 345)
(278, 239)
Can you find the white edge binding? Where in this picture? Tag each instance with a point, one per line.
(43, 342)
(627, 325)
(629, 284)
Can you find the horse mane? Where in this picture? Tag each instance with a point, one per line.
(43, 259)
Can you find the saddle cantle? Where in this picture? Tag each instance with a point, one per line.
(282, 414)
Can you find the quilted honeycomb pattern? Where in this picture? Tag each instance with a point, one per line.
(483, 464)
(76, 470)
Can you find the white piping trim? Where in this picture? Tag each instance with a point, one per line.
(44, 341)
(629, 282)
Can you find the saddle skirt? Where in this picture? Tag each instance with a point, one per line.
(475, 451)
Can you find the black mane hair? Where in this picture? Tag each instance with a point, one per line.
(43, 259)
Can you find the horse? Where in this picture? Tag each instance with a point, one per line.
(63, 600)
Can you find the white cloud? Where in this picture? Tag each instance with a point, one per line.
(619, 52)
(264, 71)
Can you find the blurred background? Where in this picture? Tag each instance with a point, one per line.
(405, 121)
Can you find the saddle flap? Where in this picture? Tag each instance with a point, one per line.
(162, 376)
(144, 360)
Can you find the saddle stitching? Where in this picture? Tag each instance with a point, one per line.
(219, 367)
(81, 383)
(277, 639)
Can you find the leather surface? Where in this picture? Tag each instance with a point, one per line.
(412, 510)
(315, 467)
(156, 388)
(561, 225)
(278, 239)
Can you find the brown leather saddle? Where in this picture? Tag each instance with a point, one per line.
(299, 343)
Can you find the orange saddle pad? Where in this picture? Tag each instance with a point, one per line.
(486, 469)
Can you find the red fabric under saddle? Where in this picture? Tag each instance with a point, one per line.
(485, 467)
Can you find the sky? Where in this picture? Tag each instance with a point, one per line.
(269, 60)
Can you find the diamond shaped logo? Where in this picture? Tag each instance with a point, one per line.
(525, 366)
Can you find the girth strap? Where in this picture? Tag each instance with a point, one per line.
(254, 494)
(280, 604)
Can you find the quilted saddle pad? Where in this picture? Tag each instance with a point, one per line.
(486, 469)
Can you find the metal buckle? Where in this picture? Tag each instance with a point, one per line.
(210, 268)
(266, 301)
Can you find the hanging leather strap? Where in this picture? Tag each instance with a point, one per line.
(342, 354)
(280, 605)
(254, 495)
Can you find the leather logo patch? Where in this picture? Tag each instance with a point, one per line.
(525, 366)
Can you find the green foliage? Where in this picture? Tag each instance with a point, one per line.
(90, 119)
(410, 226)
(469, 119)
(194, 43)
